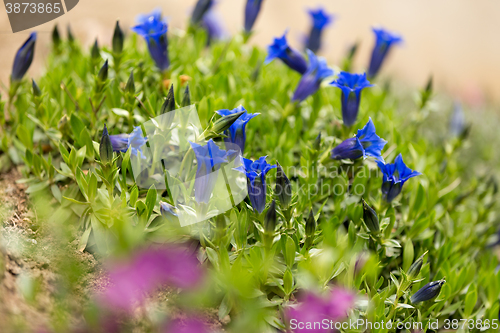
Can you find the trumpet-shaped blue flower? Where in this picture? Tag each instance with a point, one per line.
(236, 133)
(214, 27)
(201, 8)
(154, 30)
(320, 20)
(252, 10)
(134, 141)
(395, 175)
(293, 58)
(365, 143)
(317, 71)
(351, 86)
(209, 159)
(256, 180)
(23, 59)
(383, 41)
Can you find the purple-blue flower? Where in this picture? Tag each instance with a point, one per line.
(293, 58)
(214, 27)
(236, 133)
(24, 58)
(154, 30)
(457, 121)
(351, 86)
(365, 143)
(148, 269)
(134, 140)
(209, 159)
(201, 8)
(256, 180)
(252, 10)
(395, 175)
(428, 292)
(383, 41)
(317, 71)
(320, 20)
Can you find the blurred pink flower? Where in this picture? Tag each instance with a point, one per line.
(148, 270)
(191, 325)
(314, 309)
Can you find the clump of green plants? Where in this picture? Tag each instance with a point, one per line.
(332, 227)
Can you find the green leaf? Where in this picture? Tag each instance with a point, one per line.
(408, 255)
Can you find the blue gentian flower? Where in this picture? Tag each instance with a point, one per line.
(320, 20)
(293, 58)
(351, 86)
(134, 141)
(395, 175)
(365, 143)
(214, 27)
(427, 292)
(23, 59)
(256, 180)
(201, 8)
(209, 158)
(252, 10)
(154, 30)
(236, 133)
(383, 41)
(317, 71)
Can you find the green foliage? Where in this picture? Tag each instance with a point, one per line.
(257, 261)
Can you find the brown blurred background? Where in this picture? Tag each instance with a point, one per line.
(455, 40)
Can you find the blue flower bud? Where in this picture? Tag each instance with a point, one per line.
(395, 175)
(118, 39)
(415, 268)
(56, 37)
(351, 86)
(94, 52)
(252, 10)
(186, 99)
(154, 30)
(311, 225)
(36, 90)
(24, 58)
(428, 292)
(130, 87)
(383, 42)
(370, 217)
(134, 141)
(291, 57)
(365, 143)
(270, 218)
(320, 20)
(105, 148)
(283, 189)
(229, 117)
(103, 72)
(169, 104)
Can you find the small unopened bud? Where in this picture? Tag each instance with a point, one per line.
(415, 268)
(222, 124)
(283, 187)
(317, 142)
(94, 53)
(56, 37)
(169, 104)
(36, 90)
(186, 99)
(103, 72)
(270, 218)
(71, 38)
(370, 217)
(118, 38)
(168, 211)
(311, 224)
(428, 292)
(130, 87)
(106, 148)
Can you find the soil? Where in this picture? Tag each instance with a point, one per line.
(35, 268)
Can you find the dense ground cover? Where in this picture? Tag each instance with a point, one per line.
(342, 245)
